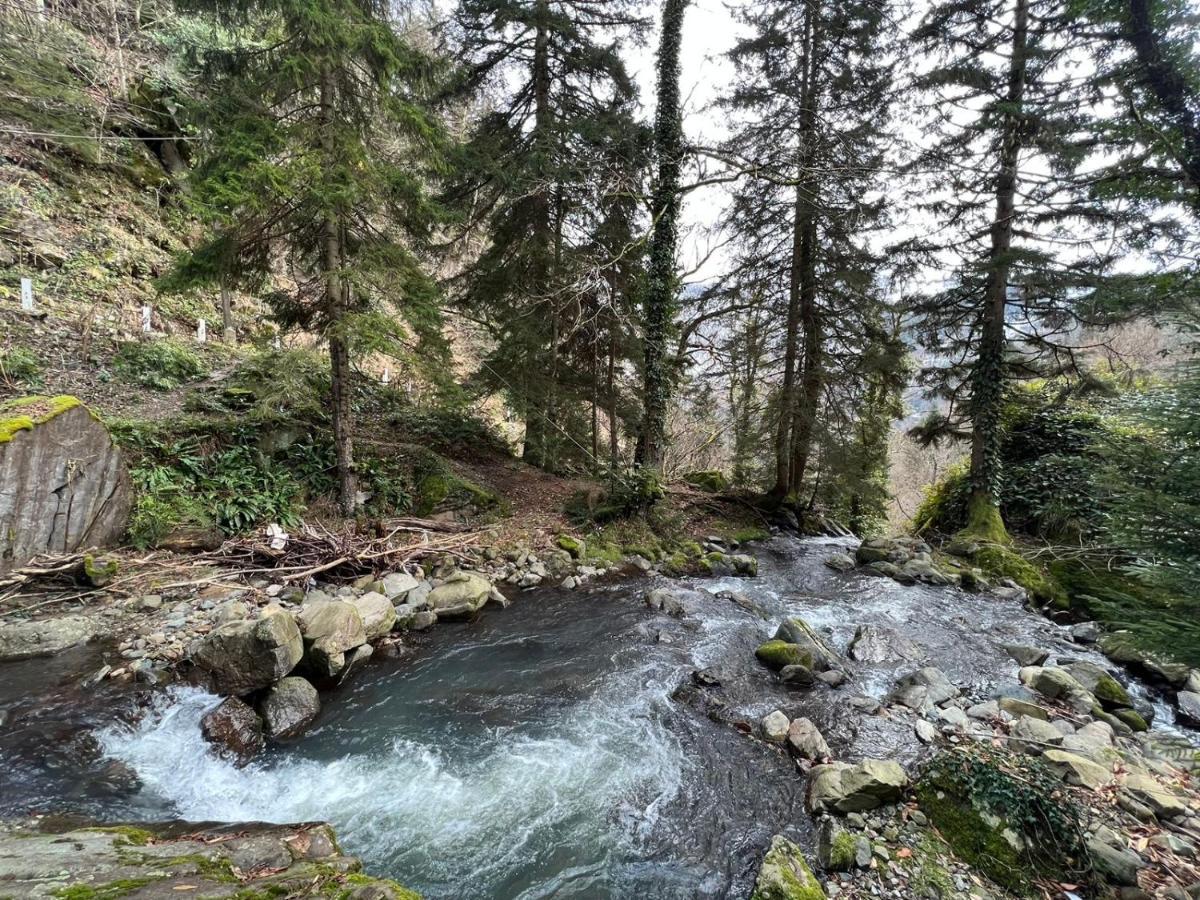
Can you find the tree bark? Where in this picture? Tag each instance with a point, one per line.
(228, 332)
(336, 298)
(987, 394)
(660, 294)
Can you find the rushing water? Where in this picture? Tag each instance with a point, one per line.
(538, 751)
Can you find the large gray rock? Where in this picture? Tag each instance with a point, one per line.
(785, 875)
(926, 685)
(1058, 684)
(235, 729)
(330, 628)
(241, 657)
(378, 614)
(460, 596)
(806, 741)
(876, 644)
(64, 485)
(1100, 683)
(1189, 706)
(288, 707)
(397, 585)
(843, 788)
(45, 637)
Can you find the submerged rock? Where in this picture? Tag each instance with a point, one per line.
(926, 685)
(876, 644)
(667, 601)
(235, 729)
(840, 562)
(288, 707)
(45, 637)
(785, 875)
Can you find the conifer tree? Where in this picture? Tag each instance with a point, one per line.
(812, 98)
(319, 143)
(553, 76)
(1012, 212)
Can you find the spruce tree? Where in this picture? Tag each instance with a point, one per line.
(811, 102)
(553, 78)
(319, 143)
(1012, 216)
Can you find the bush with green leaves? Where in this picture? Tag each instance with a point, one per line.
(21, 365)
(161, 365)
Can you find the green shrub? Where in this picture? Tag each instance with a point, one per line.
(22, 365)
(162, 365)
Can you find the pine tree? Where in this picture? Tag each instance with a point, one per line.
(812, 99)
(1012, 134)
(319, 143)
(663, 286)
(555, 78)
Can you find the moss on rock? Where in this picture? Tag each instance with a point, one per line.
(785, 875)
(1001, 562)
(25, 413)
(776, 654)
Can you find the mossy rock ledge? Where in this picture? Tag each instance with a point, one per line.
(66, 485)
(67, 861)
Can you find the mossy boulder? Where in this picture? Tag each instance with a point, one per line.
(710, 480)
(577, 547)
(66, 486)
(796, 631)
(785, 875)
(998, 561)
(1107, 690)
(776, 654)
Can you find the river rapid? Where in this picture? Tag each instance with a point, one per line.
(545, 750)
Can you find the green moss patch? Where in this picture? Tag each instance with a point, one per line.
(1002, 562)
(25, 413)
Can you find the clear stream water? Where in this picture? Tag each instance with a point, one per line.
(537, 752)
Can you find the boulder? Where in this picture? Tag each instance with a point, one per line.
(66, 486)
(378, 614)
(840, 562)
(1034, 735)
(778, 655)
(1101, 684)
(44, 637)
(1165, 803)
(241, 657)
(666, 601)
(1086, 633)
(1057, 684)
(1078, 770)
(797, 676)
(1116, 865)
(396, 585)
(843, 788)
(876, 644)
(784, 874)
(330, 628)
(288, 707)
(1015, 706)
(235, 729)
(926, 685)
(1027, 656)
(1189, 706)
(460, 596)
(806, 741)
(775, 727)
(797, 631)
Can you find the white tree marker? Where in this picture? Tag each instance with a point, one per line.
(27, 294)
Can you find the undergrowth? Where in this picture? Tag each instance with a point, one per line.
(161, 365)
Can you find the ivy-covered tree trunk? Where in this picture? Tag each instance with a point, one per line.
(663, 280)
(987, 383)
(791, 342)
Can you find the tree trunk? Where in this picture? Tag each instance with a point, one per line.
(614, 439)
(987, 393)
(336, 302)
(660, 293)
(811, 380)
(228, 332)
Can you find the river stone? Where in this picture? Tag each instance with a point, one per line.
(1033, 735)
(928, 684)
(1189, 706)
(797, 676)
(288, 707)
(1015, 706)
(1101, 684)
(666, 601)
(806, 741)
(397, 585)
(1115, 865)
(1086, 633)
(45, 637)
(1078, 770)
(843, 788)
(835, 846)
(784, 874)
(1192, 685)
(876, 644)
(66, 486)
(460, 596)
(797, 631)
(235, 729)
(1057, 684)
(840, 562)
(779, 655)
(775, 727)
(1165, 803)
(1027, 656)
(378, 614)
(241, 657)
(335, 625)
(927, 732)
